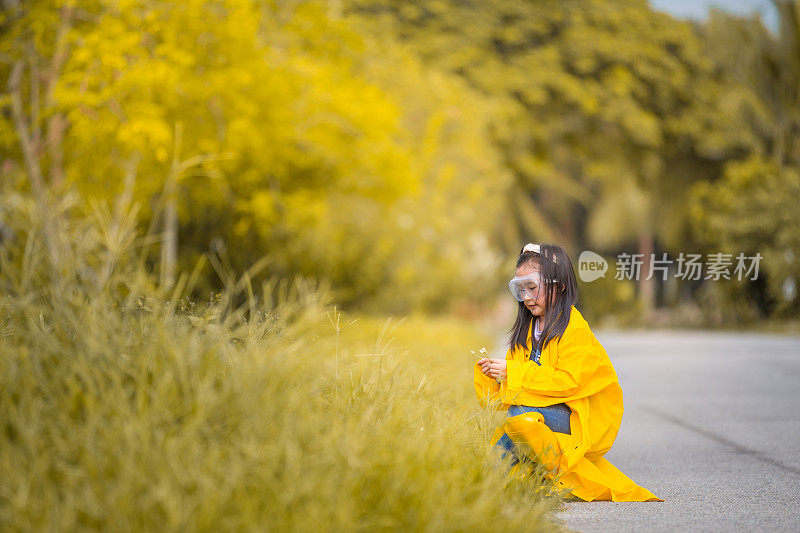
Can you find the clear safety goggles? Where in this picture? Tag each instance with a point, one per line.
(530, 284)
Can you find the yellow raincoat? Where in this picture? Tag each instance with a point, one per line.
(577, 371)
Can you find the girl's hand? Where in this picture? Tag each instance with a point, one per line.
(483, 363)
(494, 368)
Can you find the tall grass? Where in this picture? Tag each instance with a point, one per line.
(127, 407)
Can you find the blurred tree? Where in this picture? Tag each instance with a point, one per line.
(271, 127)
(32, 127)
(753, 207)
(610, 112)
(375, 145)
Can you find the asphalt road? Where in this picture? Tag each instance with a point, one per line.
(711, 425)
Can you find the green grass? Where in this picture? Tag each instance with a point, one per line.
(124, 407)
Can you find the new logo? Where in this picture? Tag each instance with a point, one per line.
(591, 266)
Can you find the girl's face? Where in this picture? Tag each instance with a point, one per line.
(536, 305)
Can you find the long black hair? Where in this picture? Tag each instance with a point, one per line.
(554, 264)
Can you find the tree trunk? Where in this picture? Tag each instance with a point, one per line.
(58, 122)
(32, 163)
(169, 248)
(647, 286)
(23, 129)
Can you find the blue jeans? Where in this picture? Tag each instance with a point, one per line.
(556, 417)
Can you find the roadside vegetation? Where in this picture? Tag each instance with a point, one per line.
(127, 408)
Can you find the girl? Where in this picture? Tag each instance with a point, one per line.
(557, 382)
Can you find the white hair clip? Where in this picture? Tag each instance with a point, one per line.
(530, 247)
(535, 248)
